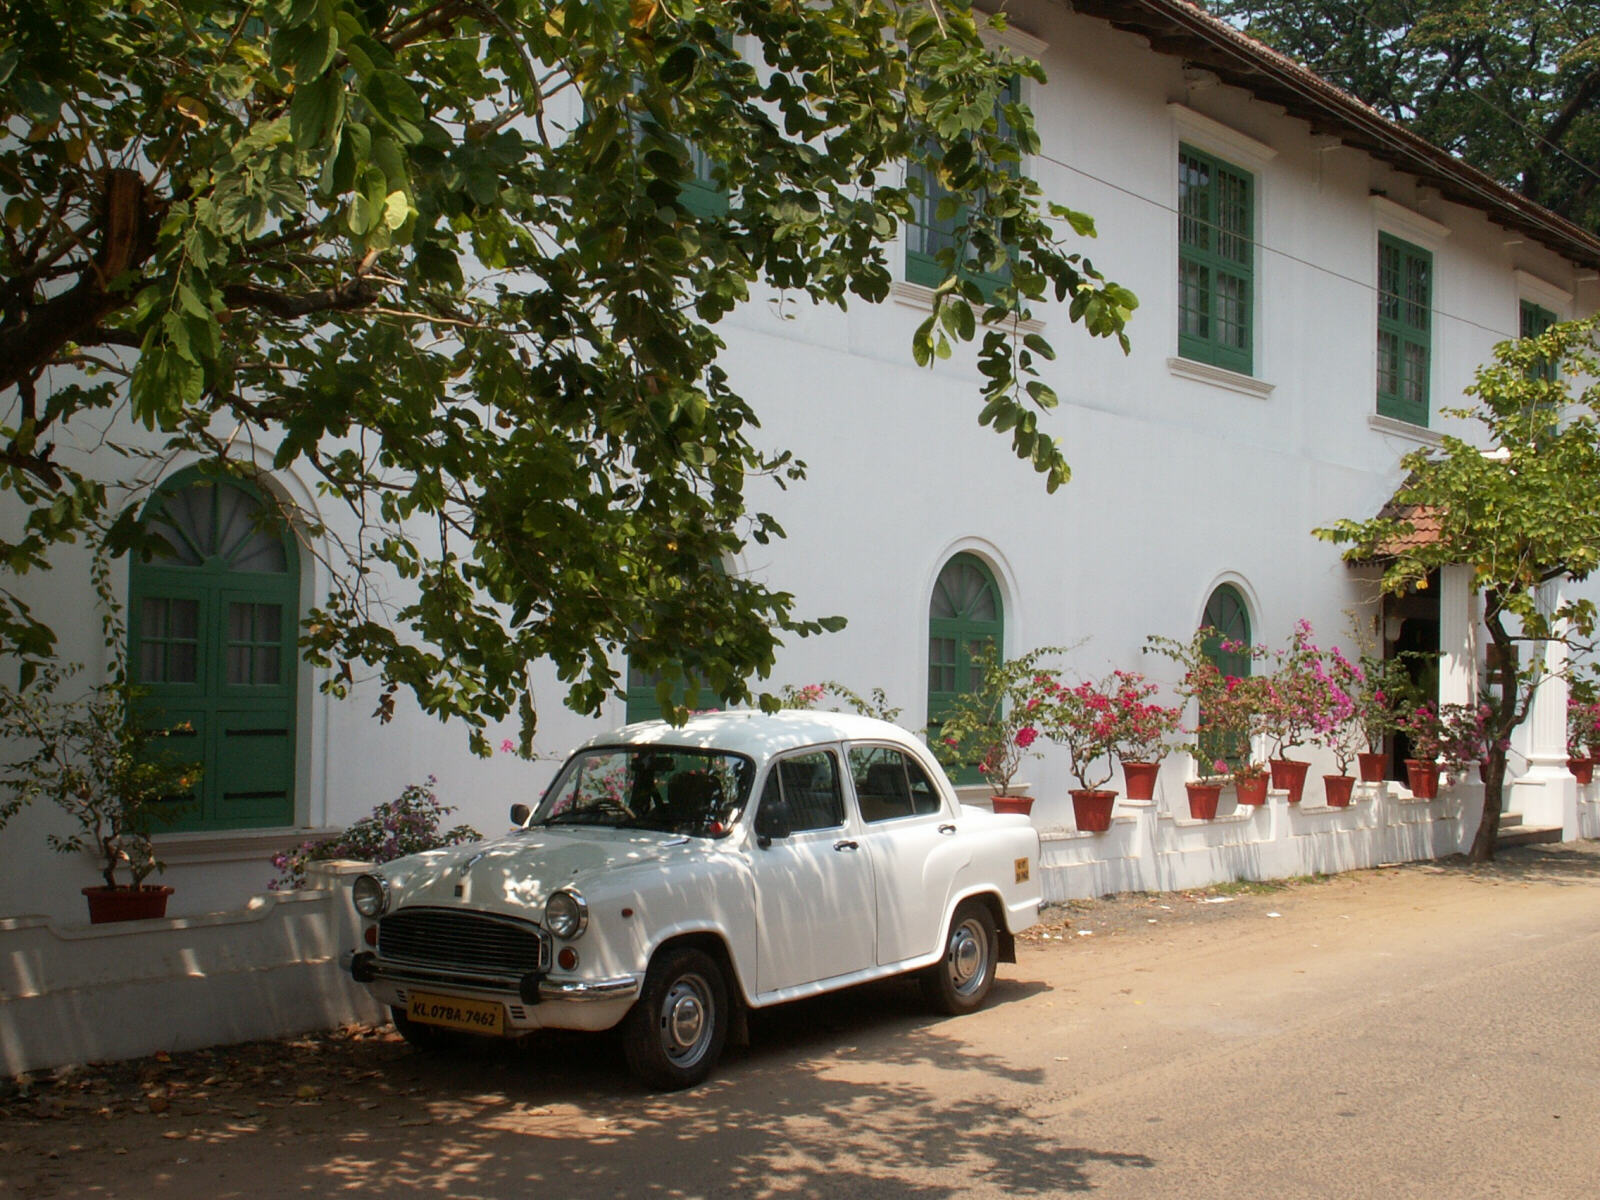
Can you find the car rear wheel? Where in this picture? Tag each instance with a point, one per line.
(675, 1033)
(960, 981)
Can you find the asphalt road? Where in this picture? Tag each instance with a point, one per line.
(1422, 1031)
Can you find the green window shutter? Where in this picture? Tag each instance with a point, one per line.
(1227, 614)
(703, 195)
(1405, 323)
(1216, 261)
(213, 617)
(1533, 321)
(964, 616)
(938, 224)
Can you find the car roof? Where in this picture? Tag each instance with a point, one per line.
(757, 734)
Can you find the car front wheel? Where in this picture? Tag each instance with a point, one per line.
(675, 1033)
(960, 981)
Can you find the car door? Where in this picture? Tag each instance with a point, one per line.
(911, 836)
(814, 897)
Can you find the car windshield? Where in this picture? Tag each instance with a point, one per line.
(696, 792)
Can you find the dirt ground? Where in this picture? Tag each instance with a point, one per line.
(227, 1121)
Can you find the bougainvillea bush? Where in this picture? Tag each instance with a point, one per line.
(406, 825)
(1098, 719)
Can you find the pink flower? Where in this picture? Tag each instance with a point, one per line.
(508, 747)
(1025, 736)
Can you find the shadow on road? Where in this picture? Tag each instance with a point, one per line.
(861, 1093)
(1564, 863)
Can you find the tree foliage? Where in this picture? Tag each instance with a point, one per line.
(1523, 514)
(1511, 86)
(438, 256)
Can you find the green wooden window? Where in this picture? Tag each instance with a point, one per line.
(1405, 321)
(213, 611)
(1534, 320)
(965, 616)
(1227, 614)
(1216, 261)
(643, 700)
(938, 223)
(703, 195)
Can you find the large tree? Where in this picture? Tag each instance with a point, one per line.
(1511, 86)
(1522, 509)
(462, 262)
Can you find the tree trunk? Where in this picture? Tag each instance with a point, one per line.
(1483, 842)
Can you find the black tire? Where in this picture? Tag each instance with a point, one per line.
(674, 1035)
(429, 1039)
(960, 981)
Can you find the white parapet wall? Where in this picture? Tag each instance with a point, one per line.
(1154, 846)
(93, 993)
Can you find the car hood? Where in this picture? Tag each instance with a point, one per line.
(518, 872)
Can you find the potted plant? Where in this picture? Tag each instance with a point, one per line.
(96, 758)
(1425, 731)
(1583, 729)
(1229, 710)
(1464, 738)
(1292, 697)
(1086, 719)
(1143, 732)
(1333, 696)
(995, 727)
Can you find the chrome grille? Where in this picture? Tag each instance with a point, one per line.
(451, 940)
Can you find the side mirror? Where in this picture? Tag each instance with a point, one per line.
(772, 821)
(520, 814)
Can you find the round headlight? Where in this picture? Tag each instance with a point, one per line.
(370, 893)
(566, 915)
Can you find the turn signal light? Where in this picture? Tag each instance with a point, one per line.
(568, 958)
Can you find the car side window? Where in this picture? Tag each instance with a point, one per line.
(890, 784)
(808, 787)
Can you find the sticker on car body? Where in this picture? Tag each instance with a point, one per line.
(1022, 870)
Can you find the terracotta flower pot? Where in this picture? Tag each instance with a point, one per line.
(1251, 790)
(1423, 778)
(1140, 779)
(1289, 774)
(1337, 789)
(1013, 804)
(1582, 769)
(1203, 800)
(1372, 766)
(126, 903)
(1091, 809)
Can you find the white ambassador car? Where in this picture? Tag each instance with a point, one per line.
(670, 876)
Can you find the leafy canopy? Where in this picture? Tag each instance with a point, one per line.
(440, 257)
(1511, 86)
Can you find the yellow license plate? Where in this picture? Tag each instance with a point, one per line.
(456, 1012)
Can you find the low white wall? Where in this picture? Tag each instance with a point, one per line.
(90, 993)
(1155, 846)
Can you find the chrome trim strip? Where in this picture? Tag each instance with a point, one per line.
(580, 991)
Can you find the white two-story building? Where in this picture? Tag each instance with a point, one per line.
(1316, 284)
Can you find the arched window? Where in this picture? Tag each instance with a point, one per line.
(213, 612)
(1227, 613)
(965, 615)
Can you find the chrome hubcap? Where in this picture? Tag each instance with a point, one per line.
(685, 1023)
(969, 951)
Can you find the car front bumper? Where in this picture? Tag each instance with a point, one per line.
(531, 1002)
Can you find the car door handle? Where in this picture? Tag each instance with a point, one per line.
(845, 844)
(947, 828)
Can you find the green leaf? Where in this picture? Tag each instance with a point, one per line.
(315, 112)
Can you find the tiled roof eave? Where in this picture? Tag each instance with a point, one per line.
(1178, 28)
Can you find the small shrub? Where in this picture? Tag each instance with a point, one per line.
(406, 825)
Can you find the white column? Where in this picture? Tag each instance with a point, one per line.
(1547, 795)
(1458, 636)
